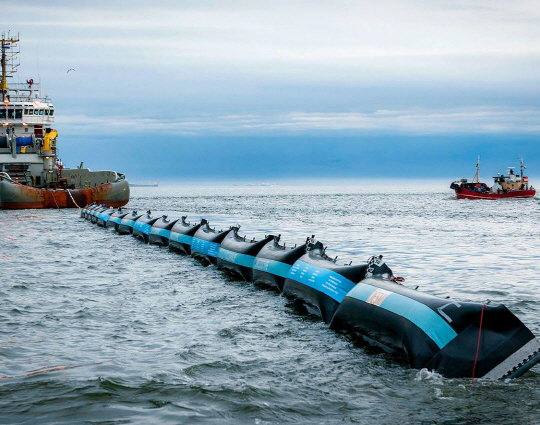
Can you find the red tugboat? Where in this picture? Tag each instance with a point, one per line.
(509, 186)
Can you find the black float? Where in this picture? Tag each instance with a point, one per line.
(456, 339)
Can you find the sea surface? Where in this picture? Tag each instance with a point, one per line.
(101, 328)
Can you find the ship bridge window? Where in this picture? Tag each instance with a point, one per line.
(51, 113)
(36, 112)
(41, 112)
(26, 112)
(2, 113)
(11, 114)
(18, 113)
(46, 112)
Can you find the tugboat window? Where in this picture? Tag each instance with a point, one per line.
(36, 112)
(41, 112)
(11, 114)
(2, 113)
(18, 113)
(46, 112)
(26, 112)
(30, 112)
(52, 112)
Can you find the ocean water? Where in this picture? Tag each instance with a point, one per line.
(101, 328)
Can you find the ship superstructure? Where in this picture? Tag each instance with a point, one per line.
(27, 143)
(28, 149)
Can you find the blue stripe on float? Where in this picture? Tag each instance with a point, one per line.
(271, 266)
(104, 217)
(179, 237)
(142, 227)
(421, 315)
(116, 220)
(160, 232)
(127, 222)
(326, 281)
(205, 247)
(236, 258)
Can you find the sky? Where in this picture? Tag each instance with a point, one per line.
(284, 89)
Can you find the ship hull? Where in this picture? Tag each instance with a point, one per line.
(17, 196)
(469, 194)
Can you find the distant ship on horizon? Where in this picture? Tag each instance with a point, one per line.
(155, 184)
(510, 185)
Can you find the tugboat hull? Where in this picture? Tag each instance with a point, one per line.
(18, 196)
(470, 194)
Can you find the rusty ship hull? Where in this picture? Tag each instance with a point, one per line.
(18, 196)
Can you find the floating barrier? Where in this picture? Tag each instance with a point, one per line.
(125, 227)
(181, 235)
(115, 218)
(321, 284)
(453, 338)
(274, 261)
(96, 213)
(88, 210)
(104, 216)
(143, 225)
(161, 231)
(206, 241)
(238, 255)
(456, 339)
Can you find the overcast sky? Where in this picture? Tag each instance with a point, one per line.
(178, 70)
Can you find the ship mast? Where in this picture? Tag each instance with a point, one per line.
(522, 167)
(6, 44)
(478, 170)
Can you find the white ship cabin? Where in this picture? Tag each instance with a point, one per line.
(26, 112)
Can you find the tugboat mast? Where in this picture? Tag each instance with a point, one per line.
(6, 44)
(522, 167)
(478, 170)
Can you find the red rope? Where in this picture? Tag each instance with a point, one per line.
(478, 345)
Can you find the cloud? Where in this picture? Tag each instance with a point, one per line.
(480, 120)
(201, 67)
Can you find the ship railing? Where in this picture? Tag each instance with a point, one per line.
(23, 98)
(24, 92)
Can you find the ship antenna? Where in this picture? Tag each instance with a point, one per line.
(6, 43)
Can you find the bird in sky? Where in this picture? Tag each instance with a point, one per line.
(70, 69)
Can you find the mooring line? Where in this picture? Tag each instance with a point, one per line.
(52, 193)
(73, 199)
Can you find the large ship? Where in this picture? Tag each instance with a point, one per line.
(510, 185)
(31, 173)
(155, 184)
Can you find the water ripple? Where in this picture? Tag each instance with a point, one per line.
(101, 328)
